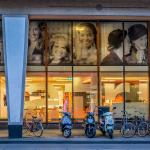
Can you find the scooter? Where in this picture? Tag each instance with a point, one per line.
(106, 122)
(66, 124)
(90, 125)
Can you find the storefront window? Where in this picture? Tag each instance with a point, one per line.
(137, 93)
(85, 94)
(3, 102)
(111, 90)
(84, 43)
(62, 46)
(35, 96)
(59, 95)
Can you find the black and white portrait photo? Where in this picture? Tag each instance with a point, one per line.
(137, 53)
(35, 49)
(60, 52)
(85, 51)
(128, 43)
(112, 38)
(1, 45)
(115, 47)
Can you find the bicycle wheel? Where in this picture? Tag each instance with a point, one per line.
(38, 129)
(143, 129)
(128, 130)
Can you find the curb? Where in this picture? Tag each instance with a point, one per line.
(67, 141)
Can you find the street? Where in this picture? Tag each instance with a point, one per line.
(74, 147)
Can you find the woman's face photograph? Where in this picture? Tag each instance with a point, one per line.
(141, 43)
(34, 32)
(59, 49)
(86, 37)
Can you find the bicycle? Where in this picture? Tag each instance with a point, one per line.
(34, 126)
(128, 128)
(141, 126)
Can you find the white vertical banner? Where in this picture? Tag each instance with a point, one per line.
(15, 35)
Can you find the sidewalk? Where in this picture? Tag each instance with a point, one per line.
(53, 136)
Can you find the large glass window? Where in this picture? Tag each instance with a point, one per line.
(111, 90)
(85, 94)
(59, 46)
(35, 96)
(59, 95)
(3, 102)
(137, 92)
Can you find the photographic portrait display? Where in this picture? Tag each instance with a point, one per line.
(1, 45)
(84, 43)
(136, 49)
(35, 47)
(60, 49)
(112, 38)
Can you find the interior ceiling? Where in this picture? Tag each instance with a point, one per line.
(98, 4)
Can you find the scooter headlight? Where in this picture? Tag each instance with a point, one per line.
(90, 120)
(66, 120)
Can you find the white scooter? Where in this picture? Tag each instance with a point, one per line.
(106, 121)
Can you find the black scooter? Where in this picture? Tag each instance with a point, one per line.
(66, 124)
(90, 125)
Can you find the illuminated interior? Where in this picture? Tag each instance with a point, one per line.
(136, 92)
(59, 95)
(3, 103)
(137, 89)
(85, 94)
(35, 96)
(111, 90)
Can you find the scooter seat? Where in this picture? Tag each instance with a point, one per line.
(107, 113)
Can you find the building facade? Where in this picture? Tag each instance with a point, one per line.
(73, 56)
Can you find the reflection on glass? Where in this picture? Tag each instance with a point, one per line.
(85, 94)
(35, 96)
(85, 52)
(112, 91)
(59, 95)
(137, 96)
(112, 38)
(137, 53)
(3, 102)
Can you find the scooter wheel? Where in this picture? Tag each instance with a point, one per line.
(110, 133)
(91, 133)
(67, 133)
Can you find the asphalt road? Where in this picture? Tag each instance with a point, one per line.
(74, 147)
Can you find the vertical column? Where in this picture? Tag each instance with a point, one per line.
(15, 32)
